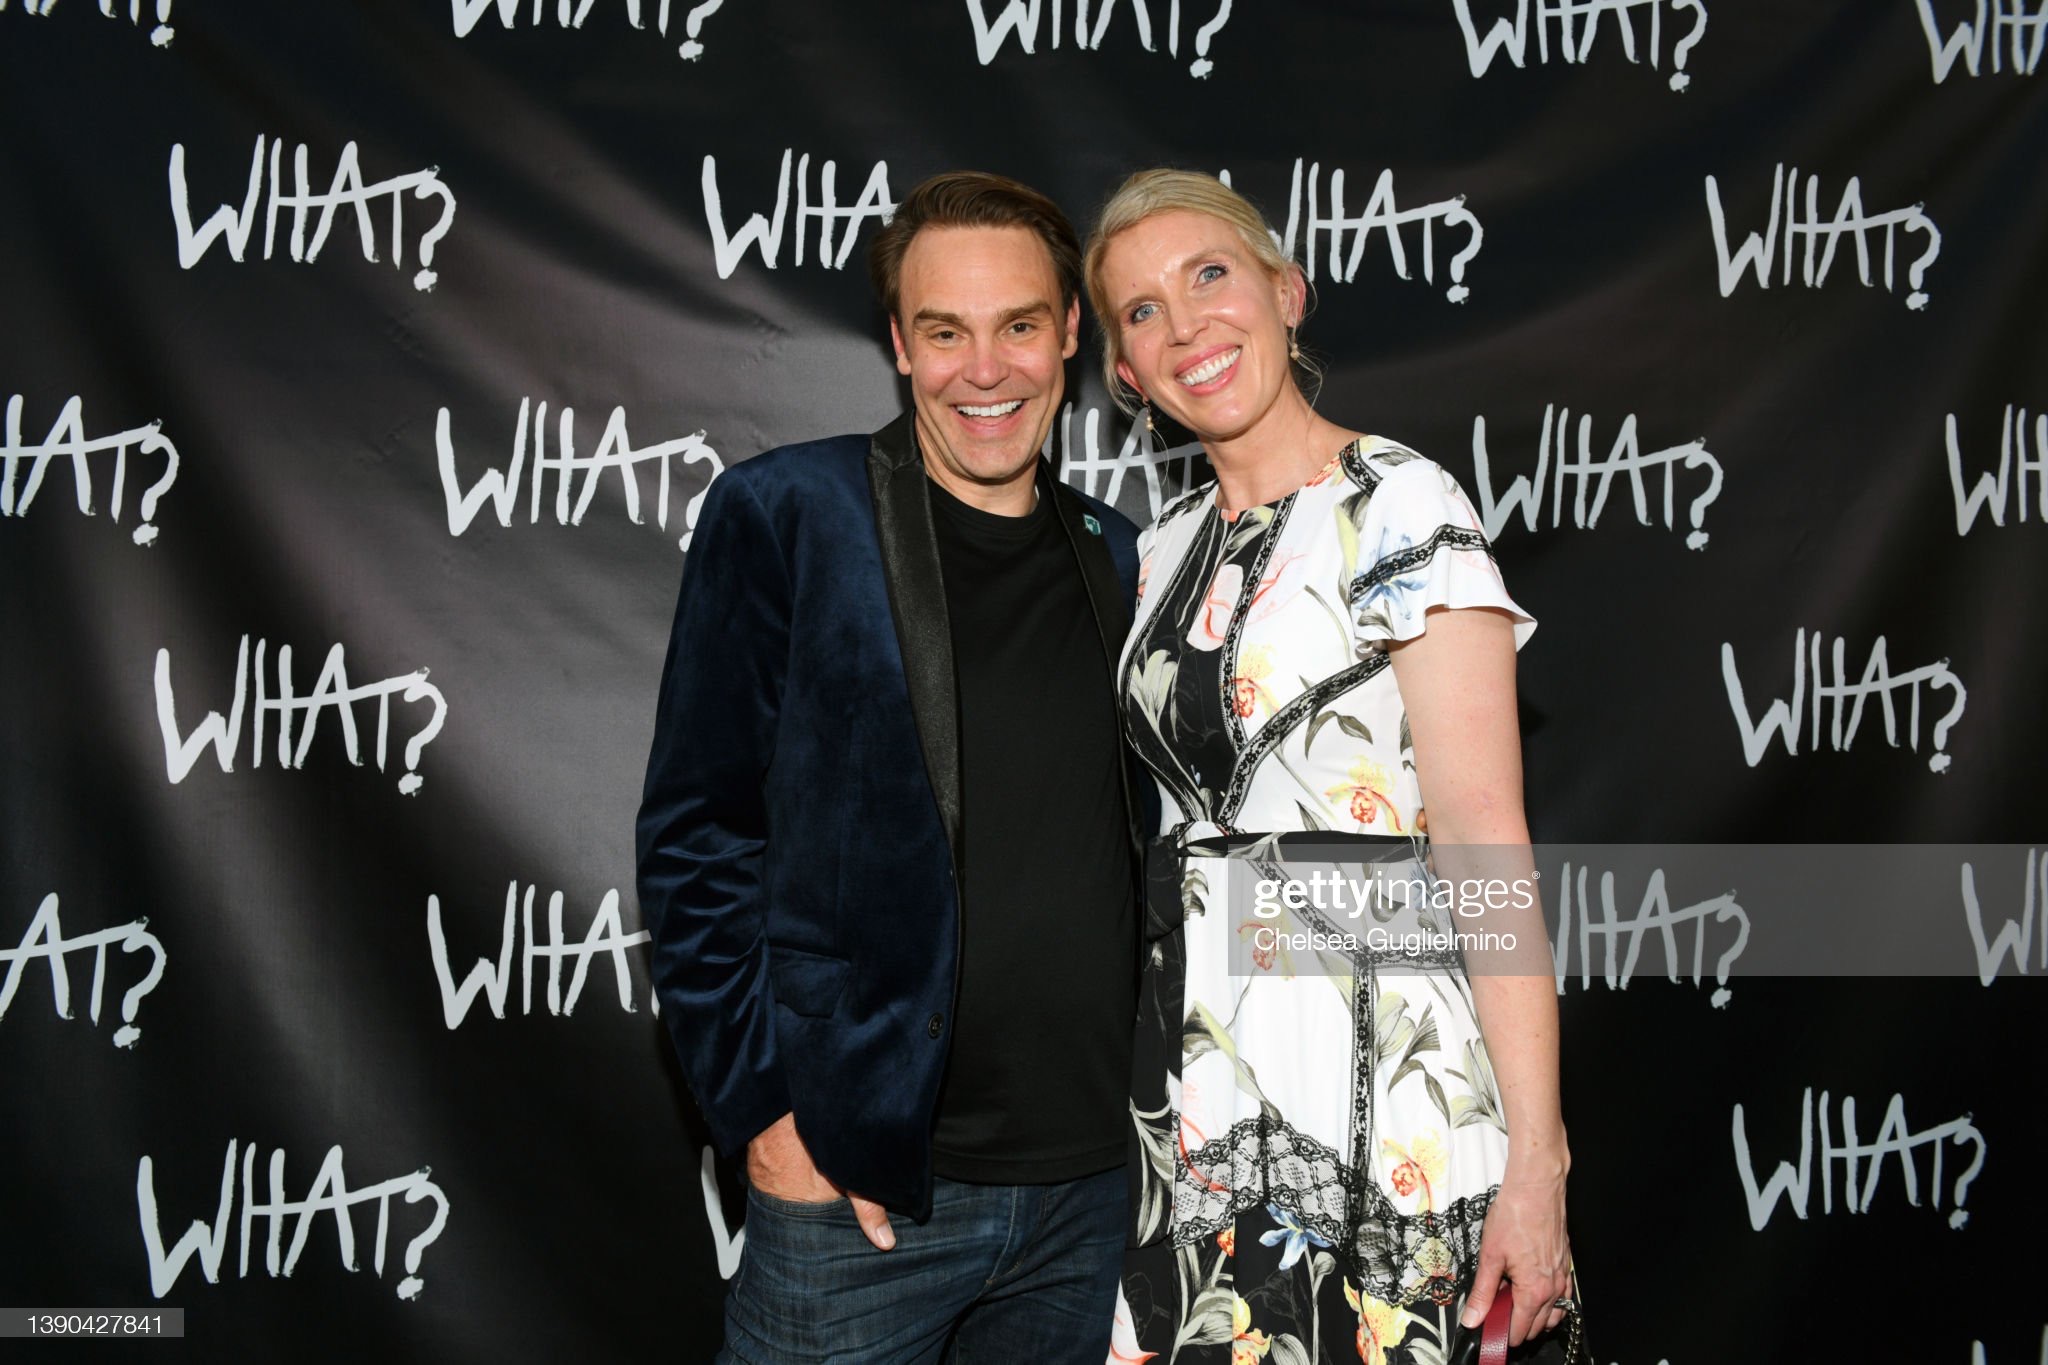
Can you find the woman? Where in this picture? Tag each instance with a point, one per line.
(1343, 1157)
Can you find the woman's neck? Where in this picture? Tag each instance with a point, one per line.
(1279, 453)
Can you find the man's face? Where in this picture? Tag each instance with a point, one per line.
(981, 334)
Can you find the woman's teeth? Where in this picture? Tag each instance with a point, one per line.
(1211, 367)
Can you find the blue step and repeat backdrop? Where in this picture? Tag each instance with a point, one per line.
(365, 367)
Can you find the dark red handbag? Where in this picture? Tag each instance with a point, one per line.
(1493, 1333)
(1489, 1345)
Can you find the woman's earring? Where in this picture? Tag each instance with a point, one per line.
(1151, 431)
(1293, 346)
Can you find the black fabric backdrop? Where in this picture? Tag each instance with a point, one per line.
(297, 1012)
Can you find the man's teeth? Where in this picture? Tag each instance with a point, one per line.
(1212, 367)
(989, 410)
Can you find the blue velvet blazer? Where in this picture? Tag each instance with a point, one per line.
(800, 824)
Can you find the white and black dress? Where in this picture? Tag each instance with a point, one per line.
(1320, 1144)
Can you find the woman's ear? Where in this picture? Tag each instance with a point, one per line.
(1294, 295)
(1130, 377)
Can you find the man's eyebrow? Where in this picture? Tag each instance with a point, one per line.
(1037, 308)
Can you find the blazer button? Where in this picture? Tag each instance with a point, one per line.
(935, 1025)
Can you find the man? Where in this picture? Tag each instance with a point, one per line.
(887, 842)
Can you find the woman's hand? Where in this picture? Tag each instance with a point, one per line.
(1524, 1242)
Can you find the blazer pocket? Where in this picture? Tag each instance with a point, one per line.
(808, 983)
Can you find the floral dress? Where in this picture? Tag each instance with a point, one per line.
(1318, 1140)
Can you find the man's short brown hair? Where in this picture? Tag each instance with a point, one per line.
(973, 199)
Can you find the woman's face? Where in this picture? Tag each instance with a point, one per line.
(1201, 327)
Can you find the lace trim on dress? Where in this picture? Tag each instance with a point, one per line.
(1183, 503)
(1352, 457)
(1233, 634)
(1414, 557)
(1283, 723)
(1401, 1257)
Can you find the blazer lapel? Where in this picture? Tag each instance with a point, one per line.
(917, 600)
(1111, 605)
(1098, 571)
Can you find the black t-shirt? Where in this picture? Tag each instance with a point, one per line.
(1037, 1082)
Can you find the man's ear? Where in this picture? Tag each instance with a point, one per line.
(1073, 329)
(902, 355)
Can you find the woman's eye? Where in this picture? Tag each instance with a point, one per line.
(1210, 273)
(1141, 312)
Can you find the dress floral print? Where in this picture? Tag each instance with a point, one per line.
(1318, 1141)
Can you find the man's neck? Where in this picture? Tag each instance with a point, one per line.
(1017, 498)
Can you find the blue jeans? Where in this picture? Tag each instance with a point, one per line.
(997, 1274)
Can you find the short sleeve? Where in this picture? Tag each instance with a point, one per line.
(1421, 546)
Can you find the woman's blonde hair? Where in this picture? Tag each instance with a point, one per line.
(1165, 190)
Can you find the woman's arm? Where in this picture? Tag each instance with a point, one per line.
(1457, 682)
